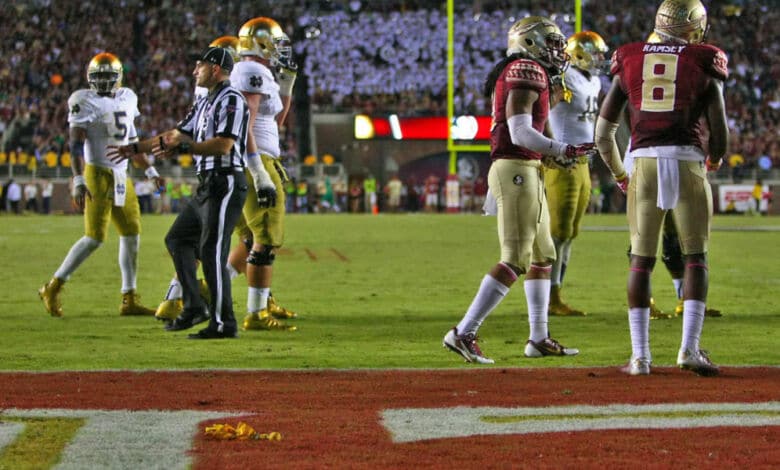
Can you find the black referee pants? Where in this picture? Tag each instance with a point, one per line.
(202, 231)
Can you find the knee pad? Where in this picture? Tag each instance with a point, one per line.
(264, 257)
(672, 253)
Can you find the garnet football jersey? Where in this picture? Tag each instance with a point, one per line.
(523, 74)
(664, 84)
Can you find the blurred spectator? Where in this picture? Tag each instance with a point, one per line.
(369, 59)
(31, 196)
(393, 192)
(47, 189)
(144, 190)
(14, 196)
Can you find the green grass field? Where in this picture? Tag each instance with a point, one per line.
(376, 292)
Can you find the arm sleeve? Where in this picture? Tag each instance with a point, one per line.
(524, 135)
(607, 146)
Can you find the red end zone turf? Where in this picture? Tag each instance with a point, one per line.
(338, 419)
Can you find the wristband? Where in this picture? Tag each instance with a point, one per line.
(134, 145)
(621, 177)
(162, 144)
(78, 180)
(151, 172)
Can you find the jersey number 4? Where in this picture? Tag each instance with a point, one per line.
(659, 74)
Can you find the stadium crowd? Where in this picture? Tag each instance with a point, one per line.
(355, 57)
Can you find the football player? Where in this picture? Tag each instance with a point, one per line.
(519, 87)
(265, 75)
(172, 305)
(674, 95)
(100, 116)
(672, 256)
(573, 120)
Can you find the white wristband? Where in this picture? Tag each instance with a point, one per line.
(259, 173)
(151, 172)
(78, 180)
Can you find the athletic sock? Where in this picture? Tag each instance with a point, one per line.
(678, 287)
(232, 272)
(537, 297)
(693, 321)
(639, 326)
(78, 253)
(257, 298)
(174, 290)
(128, 261)
(490, 294)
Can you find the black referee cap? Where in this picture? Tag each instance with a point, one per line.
(216, 55)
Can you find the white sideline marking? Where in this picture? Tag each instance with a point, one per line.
(8, 433)
(417, 424)
(124, 438)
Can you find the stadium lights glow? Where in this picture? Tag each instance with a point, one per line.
(395, 126)
(364, 128)
(464, 128)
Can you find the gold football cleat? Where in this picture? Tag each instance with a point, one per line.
(204, 291)
(263, 320)
(168, 310)
(656, 313)
(708, 312)
(559, 308)
(278, 311)
(131, 306)
(50, 294)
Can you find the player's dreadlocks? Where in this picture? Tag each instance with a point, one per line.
(492, 78)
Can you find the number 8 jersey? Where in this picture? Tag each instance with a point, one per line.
(108, 120)
(665, 84)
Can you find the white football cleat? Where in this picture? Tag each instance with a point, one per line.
(466, 346)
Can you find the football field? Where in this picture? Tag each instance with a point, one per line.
(365, 382)
(377, 292)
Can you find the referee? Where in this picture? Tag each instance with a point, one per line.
(215, 133)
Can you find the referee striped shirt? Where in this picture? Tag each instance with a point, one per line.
(222, 113)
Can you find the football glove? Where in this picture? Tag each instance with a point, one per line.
(264, 186)
(712, 166)
(285, 76)
(622, 182)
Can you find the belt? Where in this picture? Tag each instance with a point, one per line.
(218, 171)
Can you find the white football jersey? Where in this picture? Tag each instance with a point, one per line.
(575, 122)
(253, 77)
(108, 121)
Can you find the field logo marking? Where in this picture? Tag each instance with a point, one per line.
(416, 424)
(120, 438)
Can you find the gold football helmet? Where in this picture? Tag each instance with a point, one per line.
(586, 51)
(681, 21)
(227, 42)
(264, 38)
(104, 73)
(654, 39)
(540, 39)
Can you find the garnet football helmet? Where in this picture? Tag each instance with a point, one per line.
(227, 42)
(264, 38)
(540, 39)
(104, 73)
(586, 51)
(681, 21)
